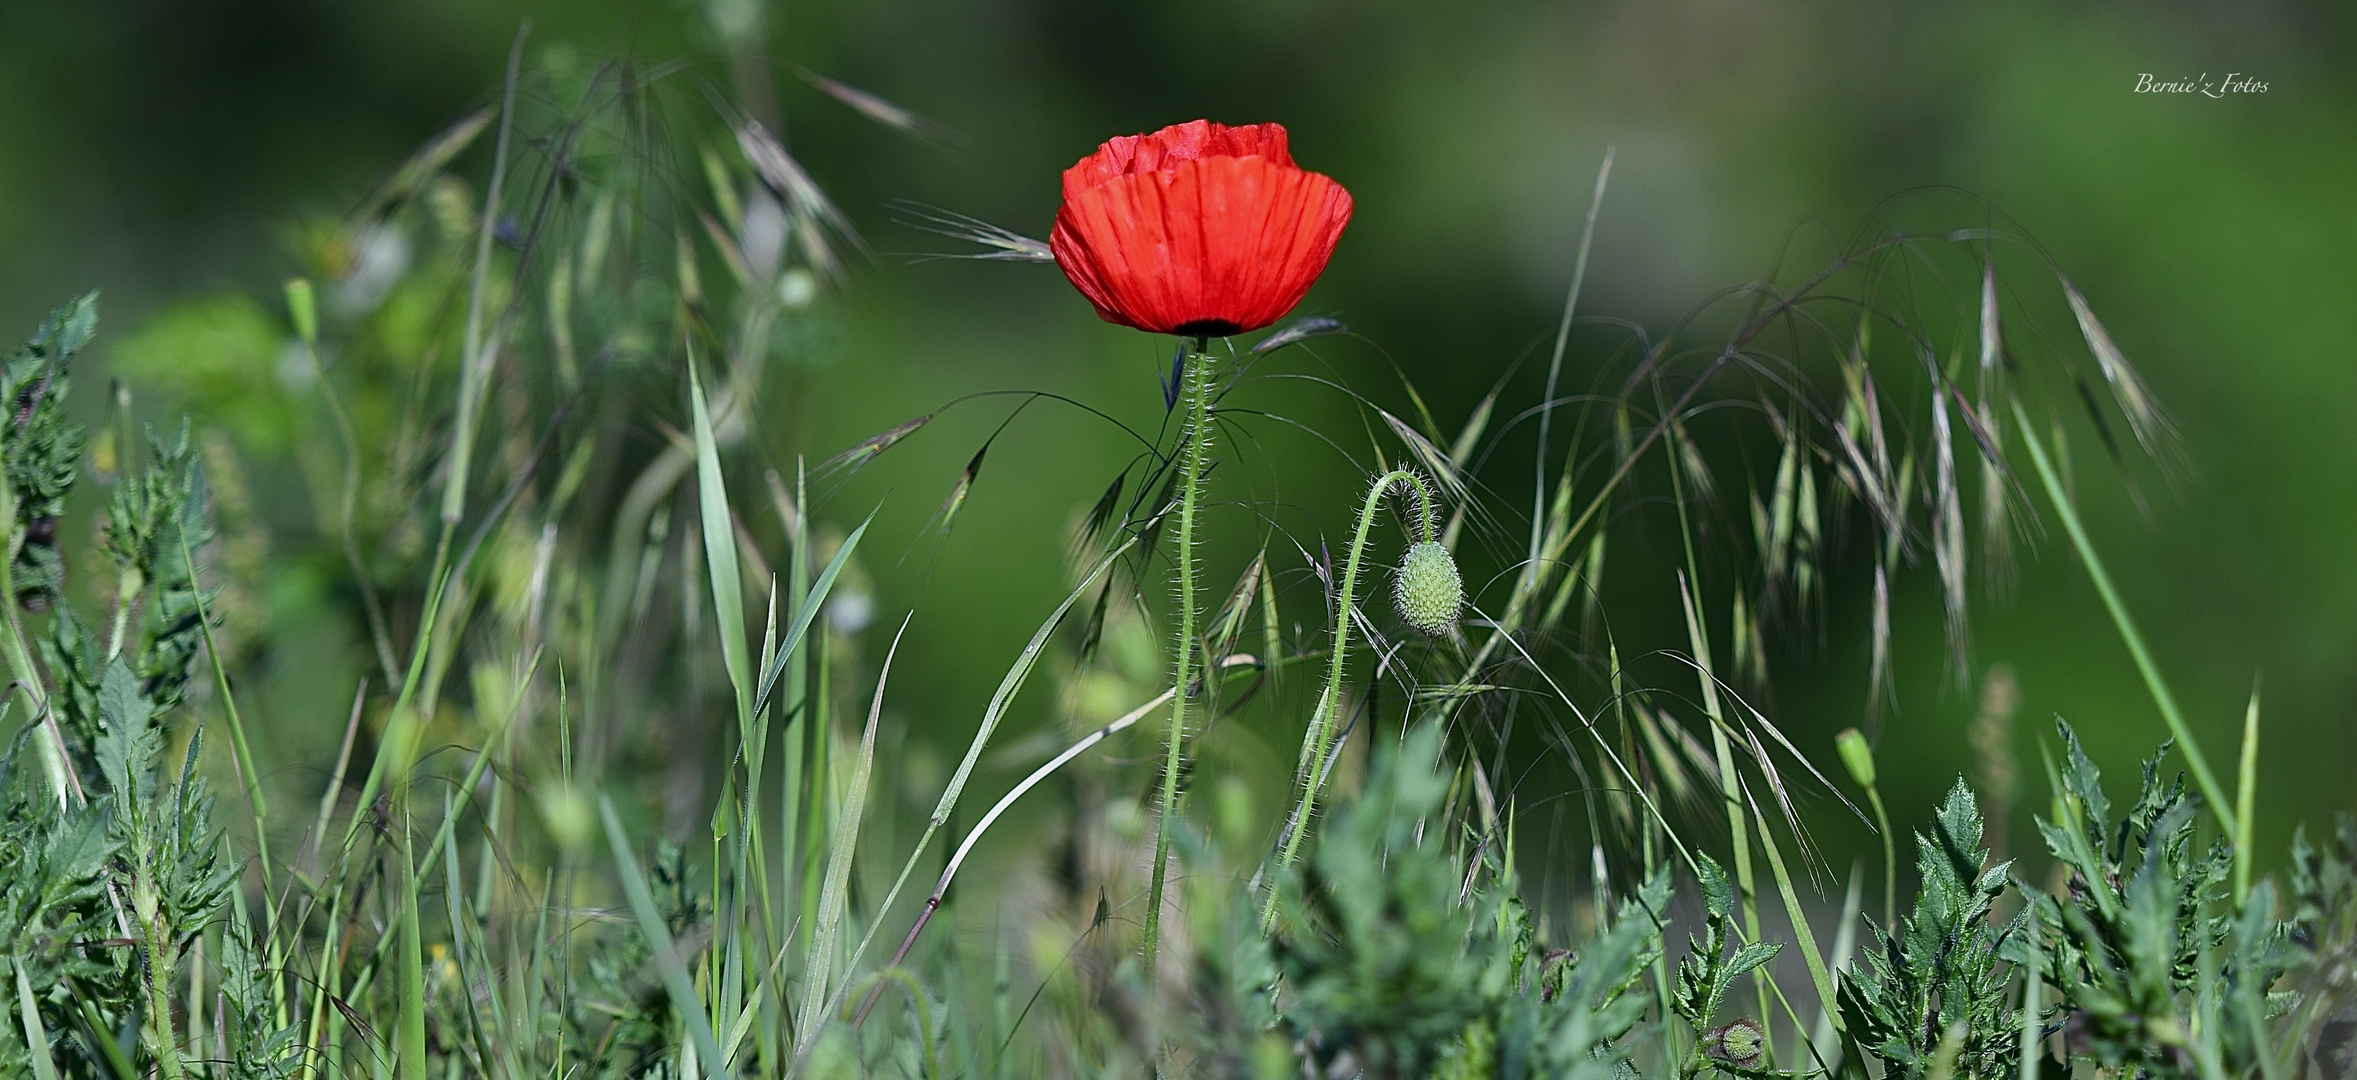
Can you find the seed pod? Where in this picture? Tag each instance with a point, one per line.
(1741, 1043)
(303, 309)
(1430, 593)
(1856, 756)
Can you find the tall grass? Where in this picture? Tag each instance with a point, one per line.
(520, 866)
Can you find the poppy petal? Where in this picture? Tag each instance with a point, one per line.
(1174, 233)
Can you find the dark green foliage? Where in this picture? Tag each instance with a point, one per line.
(178, 879)
(110, 872)
(95, 896)
(54, 864)
(260, 1050)
(42, 449)
(1941, 971)
(2323, 927)
(155, 522)
(1709, 969)
(2158, 972)
(1401, 963)
(620, 1010)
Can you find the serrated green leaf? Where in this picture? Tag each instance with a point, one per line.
(1756, 954)
(126, 743)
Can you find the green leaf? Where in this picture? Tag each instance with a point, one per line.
(36, 1036)
(126, 743)
(809, 611)
(1756, 954)
(720, 558)
(834, 895)
(1718, 895)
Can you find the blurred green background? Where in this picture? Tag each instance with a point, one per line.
(157, 150)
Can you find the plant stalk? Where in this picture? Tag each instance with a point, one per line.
(2212, 792)
(1197, 442)
(1326, 723)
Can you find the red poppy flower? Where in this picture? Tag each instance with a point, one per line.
(1198, 229)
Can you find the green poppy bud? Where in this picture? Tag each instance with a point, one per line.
(303, 309)
(1741, 1044)
(1429, 590)
(1856, 756)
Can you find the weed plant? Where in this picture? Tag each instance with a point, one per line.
(522, 863)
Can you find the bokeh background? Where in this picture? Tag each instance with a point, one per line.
(158, 150)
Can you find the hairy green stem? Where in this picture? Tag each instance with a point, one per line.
(1325, 722)
(1196, 443)
(162, 963)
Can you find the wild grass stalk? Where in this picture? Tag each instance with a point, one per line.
(2154, 684)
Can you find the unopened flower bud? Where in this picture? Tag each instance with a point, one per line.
(303, 309)
(1430, 593)
(1856, 756)
(1741, 1043)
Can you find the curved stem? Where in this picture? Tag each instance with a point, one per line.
(1317, 743)
(1197, 441)
(1890, 863)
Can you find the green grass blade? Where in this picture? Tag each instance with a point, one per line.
(1822, 1040)
(720, 558)
(957, 858)
(475, 359)
(834, 896)
(99, 1041)
(1534, 568)
(2030, 1024)
(36, 1036)
(482, 762)
(2246, 795)
(667, 961)
(410, 1028)
(1801, 934)
(810, 608)
(2212, 793)
(1007, 689)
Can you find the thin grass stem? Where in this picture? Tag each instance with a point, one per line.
(2212, 792)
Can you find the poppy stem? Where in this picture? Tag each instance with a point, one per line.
(1325, 724)
(1195, 443)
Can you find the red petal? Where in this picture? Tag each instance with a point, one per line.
(1217, 244)
(1175, 145)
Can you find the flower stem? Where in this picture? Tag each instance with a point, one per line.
(1196, 442)
(1317, 744)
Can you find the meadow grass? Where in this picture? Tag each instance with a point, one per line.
(517, 869)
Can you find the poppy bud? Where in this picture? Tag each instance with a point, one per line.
(1741, 1043)
(1856, 756)
(303, 309)
(1429, 590)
